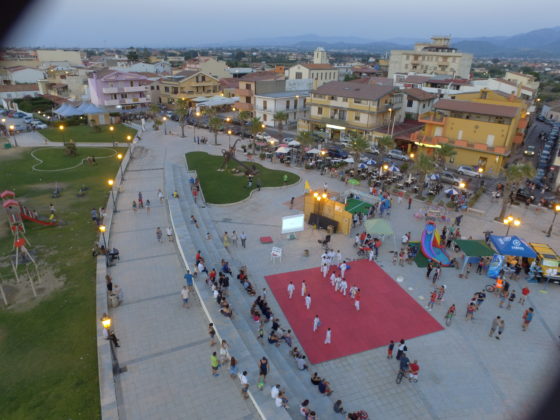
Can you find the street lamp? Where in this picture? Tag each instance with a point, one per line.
(61, 128)
(102, 229)
(106, 323)
(510, 220)
(165, 125)
(481, 170)
(229, 137)
(556, 210)
(412, 156)
(111, 183)
(390, 116)
(196, 114)
(119, 157)
(462, 185)
(13, 131)
(112, 129)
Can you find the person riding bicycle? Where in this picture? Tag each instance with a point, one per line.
(404, 363)
(450, 311)
(413, 370)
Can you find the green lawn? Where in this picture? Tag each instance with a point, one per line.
(83, 133)
(51, 157)
(48, 352)
(225, 187)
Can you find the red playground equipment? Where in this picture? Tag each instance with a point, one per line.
(17, 213)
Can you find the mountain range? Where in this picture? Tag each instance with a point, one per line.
(540, 43)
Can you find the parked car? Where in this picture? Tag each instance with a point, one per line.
(449, 178)
(19, 115)
(374, 150)
(28, 120)
(39, 125)
(529, 151)
(337, 152)
(263, 136)
(469, 171)
(524, 195)
(397, 154)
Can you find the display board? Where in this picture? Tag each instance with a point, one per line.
(292, 224)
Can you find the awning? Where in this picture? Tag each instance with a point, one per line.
(294, 143)
(357, 206)
(283, 150)
(474, 248)
(378, 227)
(513, 246)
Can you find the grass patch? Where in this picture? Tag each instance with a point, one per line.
(53, 157)
(226, 187)
(84, 133)
(49, 351)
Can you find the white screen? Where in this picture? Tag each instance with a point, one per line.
(293, 223)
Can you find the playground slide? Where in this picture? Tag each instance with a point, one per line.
(41, 222)
(429, 245)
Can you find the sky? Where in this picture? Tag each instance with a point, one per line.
(184, 23)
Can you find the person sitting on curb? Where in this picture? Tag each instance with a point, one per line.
(316, 379)
(325, 388)
(273, 339)
(300, 362)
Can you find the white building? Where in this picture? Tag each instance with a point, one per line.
(418, 101)
(9, 92)
(292, 103)
(20, 74)
(161, 67)
(437, 57)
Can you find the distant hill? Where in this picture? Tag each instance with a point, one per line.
(540, 43)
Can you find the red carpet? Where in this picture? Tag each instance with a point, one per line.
(387, 312)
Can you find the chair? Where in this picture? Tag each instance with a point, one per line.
(276, 254)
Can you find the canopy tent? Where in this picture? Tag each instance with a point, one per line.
(513, 246)
(473, 250)
(349, 160)
(378, 227)
(434, 177)
(313, 151)
(218, 101)
(357, 206)
(85, 108)
(362, 166)
(394, 168)
(283, 149)
(294, 143)
(370, 162)
(451, 191)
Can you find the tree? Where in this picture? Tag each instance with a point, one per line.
(514, 174)
(256, 127)
(182, 112)
(305, 139)
(215, 124)
(244, 117)
(445, 152)
(70, 148)
(385, 144)
(132, 56)
(280, 119)
(423, 165)
(350, 77)
(358, 145)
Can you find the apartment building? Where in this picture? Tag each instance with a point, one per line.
(483, 128)
(418, 102)
(522, 79)
(20, 74)
(207, 65)
(71, 84)
(338, 109)
(119, 90)
(257, 83)
(437, 57)
(293, 103)
(56, 57)
(185, 85)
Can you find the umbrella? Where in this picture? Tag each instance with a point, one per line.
(451, 191)
(434, 177)
(283, 150)
(294, 143)
(349, 160)
(378, 227)
(314, 151)
(394, 168)
(371, 162)
(353, 181)
(362, 166)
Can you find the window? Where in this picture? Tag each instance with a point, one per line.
(131, 84)
(344, 99)
(248, 86)
(288, 104)
(157, 87)
(299, 75)
(265, 117)
(264, 105)
(166, 89)
(295, 103)
(175, 91)
(357, 116)
(151, 87)
(320, 110)
(247, 99)
(410, 103)
(124, 95)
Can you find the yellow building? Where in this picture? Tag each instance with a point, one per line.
(341, 108)
(483, 127)
(184, 85)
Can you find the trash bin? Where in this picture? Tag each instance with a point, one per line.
(7, 146)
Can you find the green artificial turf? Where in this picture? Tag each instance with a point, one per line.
(53, 157)
(84, 133)
(48, 351)
(222, 187)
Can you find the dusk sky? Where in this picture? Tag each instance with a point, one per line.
(124, 23)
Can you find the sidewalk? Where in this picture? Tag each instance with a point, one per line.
(164, 347)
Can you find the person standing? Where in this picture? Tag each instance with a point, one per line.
(160, 195)
(224, 356)
(316, 323)
(437, 274)
(338, 257)
(243, 238)
(324, 269)
(390, 349)
(233, 367)
(429, 269)
(494, 326)
(215, 364)
(189, 279)
(328, 336)
(527, 318)
(480, 297)
(501, 327)
(303, 288)
(234, 238)
(134, 206)
(401, 348)
(225, 240)
(169, 232)
(212, 334)
(148, 204)
(185, 296)
(244, 385)
(524, 293)
(433, 297)
(159, 234)
(357, 297)
(343, 286)
(308, 301)
(511, 299)
(470, 311)
(291, 289)
(263, 371)
(409, 201)
(292, 202)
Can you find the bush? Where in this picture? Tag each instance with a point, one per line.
(475, 197)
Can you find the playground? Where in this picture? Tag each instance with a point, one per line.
(231, 185)
(58, 324)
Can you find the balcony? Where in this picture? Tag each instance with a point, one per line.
(432, 118)
(126, 89)
(433, 141)
(127, 101)
(110, 90)
(243, 92)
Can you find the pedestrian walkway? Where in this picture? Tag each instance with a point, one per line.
(164, 346)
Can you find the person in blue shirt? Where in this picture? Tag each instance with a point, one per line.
(189, 279)
(404, 361)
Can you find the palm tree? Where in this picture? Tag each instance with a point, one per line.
(445, 153)
(280, 119)
(256, 127)
(385, 144)
(244, 117)
(182, 111)
(423, 164)
(514, 174)
(305, 139)
(215, 124)
(358, 145)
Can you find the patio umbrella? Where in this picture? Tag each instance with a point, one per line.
(434, 177)
(371, 162)
(294, 143)
(349, 160)
(283, 149)
(378, 227)
(394, 168)
(362, 166)
(353, 181)
(451, 191)
(314, 151)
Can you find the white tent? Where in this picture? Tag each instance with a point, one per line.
(313, 151)
(283, 149)
(349, 160)
(294, 143)
(219, 101)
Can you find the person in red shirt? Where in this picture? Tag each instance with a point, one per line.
(212, 275)
(524, 293)
(362, 238)
(413, 369)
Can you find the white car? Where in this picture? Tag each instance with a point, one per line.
(263, 136)
(469, 171)
(397, 154)
(39, 125)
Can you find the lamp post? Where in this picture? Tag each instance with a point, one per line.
(556, 210)
(119, 157)
(111, 183)
(61, 128)
(164, 125)
(510, 220)
(196, 114)
(229, 137)
(112, 130)
(106, 323)
(13, 132)
(390, 116)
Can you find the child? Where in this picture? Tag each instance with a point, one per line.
(433, 298)
(503, 298)
(395, 256)
(260, 335)
(390, 349)
(353, 291)
(440, 293)
(511, 299)
(343, 286)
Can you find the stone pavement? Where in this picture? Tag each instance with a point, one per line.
(164, 347)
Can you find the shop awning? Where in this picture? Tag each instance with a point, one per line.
(513, 246)
(473, 248)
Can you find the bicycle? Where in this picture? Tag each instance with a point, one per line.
(400, 376)
(449, 318)
(490, 288)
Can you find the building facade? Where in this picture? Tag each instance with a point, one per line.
(71, 84)
(418, 102)
(318, 74)
(53, 57)
(185, 85)
(208, 65)
(20, 74)
(338, 109)
(257, 83)
(118, 90)
(160, 67)
(437, 57)
(293, 103)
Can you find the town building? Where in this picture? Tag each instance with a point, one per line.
(437, 57)
(257, 83)
(522, 79)
(10, 92)
(293, 103)
(418, 102)
(57, 57)
(185, 85)
(551, 111)
(338, 109)
(160, 67)
(118, 90)
(316, 73)
(20, 74)
(482, 127)
(207, 65)
(70, 84)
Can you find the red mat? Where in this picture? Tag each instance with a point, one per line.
(386, 313)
